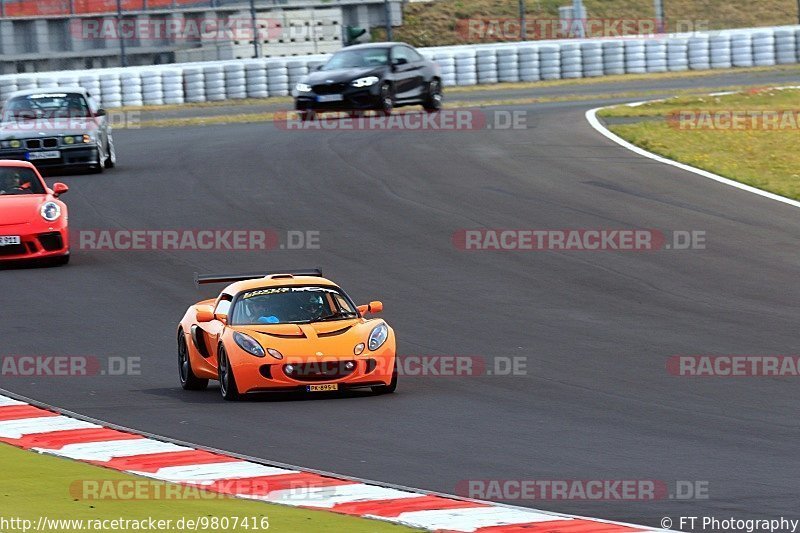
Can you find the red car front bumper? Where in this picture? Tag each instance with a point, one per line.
(37, 241)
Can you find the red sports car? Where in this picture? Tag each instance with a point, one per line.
(33, 221)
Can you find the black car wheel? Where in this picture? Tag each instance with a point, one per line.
(188, 380)
(387, 100)
(110, 156)
(227, 382)
(433, 101)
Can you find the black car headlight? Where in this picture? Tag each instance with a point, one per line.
(303, 88)
(248, 344)
(14, 143)
(365, 82)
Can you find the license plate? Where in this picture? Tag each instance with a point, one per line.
(330, 98)
(52, 154)
(10, 240)
(322, 388)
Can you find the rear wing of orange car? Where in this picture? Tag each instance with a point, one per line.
(233, 278)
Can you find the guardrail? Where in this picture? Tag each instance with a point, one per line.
(461, 65)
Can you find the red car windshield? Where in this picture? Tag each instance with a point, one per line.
(16, 180)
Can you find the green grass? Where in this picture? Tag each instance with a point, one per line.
(768, 160)
(33, 485)
(434, 23)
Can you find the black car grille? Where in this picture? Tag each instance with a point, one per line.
(36, 144)
(14, 249)
(320, 371)
(51, 241)
(329, 88)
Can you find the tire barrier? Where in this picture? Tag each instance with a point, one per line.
(459, 65)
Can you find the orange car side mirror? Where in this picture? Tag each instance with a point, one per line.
(59, 189)
(221, 317)
(204, 314)
(372, 307)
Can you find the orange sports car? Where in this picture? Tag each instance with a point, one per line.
(284, 331)
(33, 220)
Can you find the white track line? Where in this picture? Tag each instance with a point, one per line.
(591, 117)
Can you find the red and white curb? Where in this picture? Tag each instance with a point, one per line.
(47, 431)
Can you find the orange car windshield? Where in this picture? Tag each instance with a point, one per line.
(291, 305)
(15, 180)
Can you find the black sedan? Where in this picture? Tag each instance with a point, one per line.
(376, 76)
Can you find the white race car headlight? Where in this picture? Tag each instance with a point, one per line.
(365, 82)
(50, 211)
(378, 336)
(303, 88)
(248, 344)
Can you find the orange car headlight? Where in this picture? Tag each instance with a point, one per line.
(359, 348)
(275, 353)
(378, 336)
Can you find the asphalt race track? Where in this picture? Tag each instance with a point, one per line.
(596, 328)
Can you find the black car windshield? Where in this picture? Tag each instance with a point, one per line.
(16, 180)
(364, 58)
(291, 305)
(46, 106)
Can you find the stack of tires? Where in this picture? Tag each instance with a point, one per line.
(235, 81)
(699, 50)
(91, 82)
(466, 68)
(528, 61)
(24, 83)
(296, 69)
(152, 87)
(256, 75)
(677, 54)
(592, 53)
(447, 64)
(172, 80)
(571, 61)
(110, 90)
(194, 86)
(131, 83)
(278, 78)
(7, 86)
(635, 58)
(719, 46)
(67, 81)
(764, 48)
(550, 62)
(507, 64)
(486, 60)
(46, 82)
(215, 83)
(656, 55)
(785, 47)
(614, 57)
(742, 50)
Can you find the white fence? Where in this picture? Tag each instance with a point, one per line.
(460, 65)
